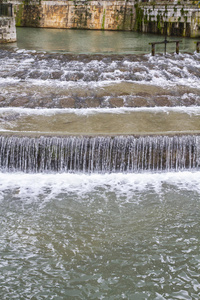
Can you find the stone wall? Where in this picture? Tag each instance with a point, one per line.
(7, 29)
(105, 15)
(180, 18)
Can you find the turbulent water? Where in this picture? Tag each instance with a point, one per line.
(59, 80)
(70, 236)
(89, 209)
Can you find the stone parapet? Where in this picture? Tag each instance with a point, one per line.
(7, 29)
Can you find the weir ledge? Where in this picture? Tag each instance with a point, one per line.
(99, 154)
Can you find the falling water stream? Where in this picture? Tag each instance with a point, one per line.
(99, 154)
(99, 168)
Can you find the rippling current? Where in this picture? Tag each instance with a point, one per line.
(71, 236)
(97, 236)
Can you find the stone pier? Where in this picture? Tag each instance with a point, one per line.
(7, 24)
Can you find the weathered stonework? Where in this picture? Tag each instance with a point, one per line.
(174, 17)
(104, 15)
(181, 19)
(7, 29)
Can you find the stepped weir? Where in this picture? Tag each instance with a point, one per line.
(126, 154)
(89, 194)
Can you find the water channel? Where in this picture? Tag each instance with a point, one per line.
(99, 160)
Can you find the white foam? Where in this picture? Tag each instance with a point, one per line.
(165, 72)
(27, 61)
(191, 110)
(31, 186)
(72, 84)
(9, 80)
(24, 51)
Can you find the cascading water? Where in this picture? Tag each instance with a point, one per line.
(90, 205)
(124, 154)
(79, 81)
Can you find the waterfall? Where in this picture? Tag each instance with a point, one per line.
(99, 154)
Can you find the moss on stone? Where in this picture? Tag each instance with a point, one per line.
(19, 14)
(139, 17)
(103, 21)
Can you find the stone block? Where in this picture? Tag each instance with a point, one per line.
(93, 103)
(116, 102)
(19, 102)
(7, 29)
(67, 103)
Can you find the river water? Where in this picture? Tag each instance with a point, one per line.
(98, 235)
(94, 41)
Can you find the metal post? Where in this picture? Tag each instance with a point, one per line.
(165, 41)
(197, 47)
(153, 49)
(177, 47)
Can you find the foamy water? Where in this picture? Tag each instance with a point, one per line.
(59, 80)
(99, 236)
(31, 186)
(191, 110)
(60, 70)
(112, 236)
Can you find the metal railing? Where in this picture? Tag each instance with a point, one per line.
(165, 42)
(6, 10)
(198, 46)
